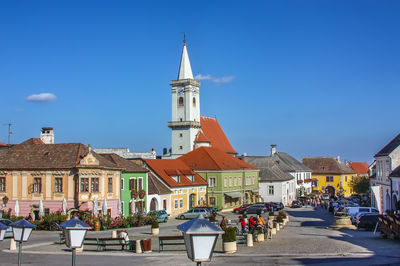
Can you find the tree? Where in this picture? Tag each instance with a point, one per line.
(360, 184)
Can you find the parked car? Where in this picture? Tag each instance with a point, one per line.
(9, 232)
(255, 209)
(277, 206)
(211, 210)
(296, 204)
(162, 216)
(243, 207)
(193, 213)
(325, 197)
(368, 221)
(303, 200)
(352, 211)
(332, 205)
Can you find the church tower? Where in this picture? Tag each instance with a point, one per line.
(185, 122)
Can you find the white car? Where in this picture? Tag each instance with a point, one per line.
(353, 211)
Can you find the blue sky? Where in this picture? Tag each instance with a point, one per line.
(317, 78)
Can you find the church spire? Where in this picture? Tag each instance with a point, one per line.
(185, 70)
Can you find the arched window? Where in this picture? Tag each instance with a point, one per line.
(180, 101)
(194, 101)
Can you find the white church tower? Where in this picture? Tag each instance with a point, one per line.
(185, 122)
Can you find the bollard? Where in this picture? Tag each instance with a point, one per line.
(113, 234)
(249, 240)
(12, 244)
(273, 231)
(138, 247)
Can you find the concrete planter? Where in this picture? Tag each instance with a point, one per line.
(249, 241)
(260, 238)
(230, 247)
(155, 231)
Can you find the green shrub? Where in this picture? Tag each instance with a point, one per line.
(271, 213)
(212, 218)
(154, 224)
(230, 234)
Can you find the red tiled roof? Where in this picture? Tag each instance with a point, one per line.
(127, 165)
(156, 186)
(174, 167)
(209, 158)
(214, 133)
(360, 168)
(326, 165)
(201, 137)
(2, 144)
(34, 154)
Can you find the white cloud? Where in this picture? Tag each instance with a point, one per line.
(217, 80)
(203, 77)
(41, 97)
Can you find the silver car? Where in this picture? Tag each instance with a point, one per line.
(9, 232)
(193, 213)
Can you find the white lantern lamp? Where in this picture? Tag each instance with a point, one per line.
(3, 229)
(75, 231)
(200, 238)
(22, 229)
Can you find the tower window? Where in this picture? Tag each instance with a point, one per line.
(194, 101)
(180, 147)
(180, 101)
(181, 135)
(180, 119)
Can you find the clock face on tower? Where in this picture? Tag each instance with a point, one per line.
(180, 91)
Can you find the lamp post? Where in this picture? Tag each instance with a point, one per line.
(75, 231)
(3, 229)
(21, 230)
(200, 238)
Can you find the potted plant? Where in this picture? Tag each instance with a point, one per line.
(134, 193)
(229, 239)
(260, 234)
(142, 193)
(96, 224)
(155, 228)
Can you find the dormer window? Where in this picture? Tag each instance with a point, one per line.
(177, 178)
(191, 178)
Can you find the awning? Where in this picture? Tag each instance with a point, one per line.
(234, 194)
(254, 190)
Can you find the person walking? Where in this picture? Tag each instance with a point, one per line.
(270, 225)
(252, 224)
(243, 224)
(223, 223)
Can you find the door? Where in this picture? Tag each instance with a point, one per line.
(191, 201)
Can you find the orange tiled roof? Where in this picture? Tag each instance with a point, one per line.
(210, 158)
(201, 137)
(214, 133)
(2, 144)
(360, 168)
(166, 168)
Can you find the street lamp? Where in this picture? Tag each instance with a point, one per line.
(200, 238)
(21, 230)
(75, 232)
(3, 229)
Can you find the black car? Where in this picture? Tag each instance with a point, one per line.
(296, 204)
(255, 209)
(368, 221)
(277, 206)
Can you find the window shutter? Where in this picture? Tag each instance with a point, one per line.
(135, 184)
(140, 184)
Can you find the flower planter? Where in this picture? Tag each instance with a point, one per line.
(230, 247)
(97, 225)
(155, 231)
(260, 238)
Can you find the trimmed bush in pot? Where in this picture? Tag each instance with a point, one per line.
(155, 228)
(229, 239)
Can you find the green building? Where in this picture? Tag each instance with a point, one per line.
(231, 181)
(134, 185)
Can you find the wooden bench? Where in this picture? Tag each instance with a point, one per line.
(169, 240)
(103, 242)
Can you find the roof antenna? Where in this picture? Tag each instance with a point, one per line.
(184, 38)
(9, 131)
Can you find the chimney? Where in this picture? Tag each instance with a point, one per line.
(338, 159)
(47, 135)
(273, 149)
(164, 151)
(90, 147)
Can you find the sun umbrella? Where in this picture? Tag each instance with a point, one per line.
(95, 207)
(132, 207)
(64, 207)
(105, 207)
(41, 208)
(16, 208)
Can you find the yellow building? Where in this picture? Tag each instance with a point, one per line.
(330, 175)
(188, 188)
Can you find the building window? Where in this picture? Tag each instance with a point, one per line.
(176, 204)
(230, 181)
(180, 147)
(211, 182)
(271, 190)
(225, 182)
(37, 185)
(180, 203)
(84, 184)
(329, 179)
(212, 201)
(110, 185)
(122, 184)
(2, 184)
(180, 135)
(194, 101)
(345, 178)
(122, 208)
(94, 182)
(180, 101)
(235, 181)
(240, 181)
(58, 185)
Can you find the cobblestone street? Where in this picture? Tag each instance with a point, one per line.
(306, 240)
